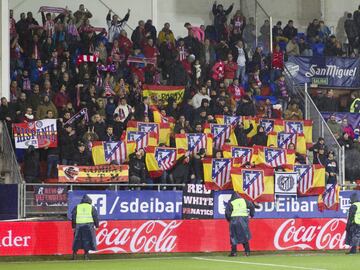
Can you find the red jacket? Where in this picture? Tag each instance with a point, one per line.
(125, 45)
(236, 92)
(149, 52)
(218, 71)
(60, 100)
(278, 60)
(230, 70)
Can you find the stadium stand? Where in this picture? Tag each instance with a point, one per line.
(120, 97)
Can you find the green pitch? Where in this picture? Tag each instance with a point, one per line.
(296, 261)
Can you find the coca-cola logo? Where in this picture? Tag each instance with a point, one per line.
(331, 235)
(151, 236)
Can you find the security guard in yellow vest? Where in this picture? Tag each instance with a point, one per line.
(237, 213)
(84, 221)
(353, 224)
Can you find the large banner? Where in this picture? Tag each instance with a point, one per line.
(198, 202)
(353, 118)
(149, 236)
(50, 195)
(164, 92)
(287, 207)
(117, 205)
(325, 71)
(40, 134)
(93, 174)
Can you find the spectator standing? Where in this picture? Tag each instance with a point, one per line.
(137, 168)
(329, 103)
(230, 69)
(334, 126)
(352, 32)
(31, 165)
(242, 60)
(220, 20)
(290, 31)
(292, 48)
(331, 169)
(67, 141)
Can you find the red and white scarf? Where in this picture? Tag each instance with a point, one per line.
(84, 58)
(52, 9)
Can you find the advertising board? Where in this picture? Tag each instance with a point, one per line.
(149, 236)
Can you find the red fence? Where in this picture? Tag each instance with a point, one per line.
(52, 238)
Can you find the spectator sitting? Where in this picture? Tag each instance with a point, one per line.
(292, 48)
(346, 141)
(347, 128)
(299, 159)
(324, 30)
(318, 47)
(198, 98)
(304, 48)
(293, 112)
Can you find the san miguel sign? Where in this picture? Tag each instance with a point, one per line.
(149, 236)
(325, 71)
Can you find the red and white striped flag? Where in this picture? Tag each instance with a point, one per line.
(329, 200)
(115, 151)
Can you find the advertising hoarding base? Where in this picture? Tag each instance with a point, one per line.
(149, 236)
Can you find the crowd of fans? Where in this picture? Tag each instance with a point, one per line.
(222, 71)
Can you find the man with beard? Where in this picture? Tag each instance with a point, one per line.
(237, 214)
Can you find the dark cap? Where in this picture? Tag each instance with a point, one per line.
(202, 151)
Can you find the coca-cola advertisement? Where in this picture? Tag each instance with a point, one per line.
(147, 236)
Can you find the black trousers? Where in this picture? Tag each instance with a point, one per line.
(245, 245)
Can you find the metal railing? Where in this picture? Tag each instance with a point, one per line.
(9, 165)
(256, 33)
(320, 128)
(29, 208)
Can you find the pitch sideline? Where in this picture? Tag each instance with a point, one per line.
(258, 264)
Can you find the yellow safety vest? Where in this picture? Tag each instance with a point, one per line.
(357, 214)
(239, 208)
(84, 213)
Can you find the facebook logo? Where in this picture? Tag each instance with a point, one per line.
(99, 202)
(223, 200)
